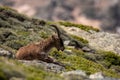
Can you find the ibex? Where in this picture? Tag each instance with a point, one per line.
(40, 50)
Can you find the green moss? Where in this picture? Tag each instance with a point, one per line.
(105, 58)
(75, 62)
(83, 27)
(2, 76)
(80, 39)
(113, 58)
(43, 35)
(76, 52)
(109, 57)
(23, 33)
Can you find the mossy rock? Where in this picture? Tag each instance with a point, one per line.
(80, 39)
(83, 27)
(110, 57)
(43, 35)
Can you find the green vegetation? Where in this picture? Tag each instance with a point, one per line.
(17, 30)
(4, 24)
(83, 27)
(19, 70)
(109, 58)
(79, 39)
(2, 76)
(77, 61)
(44, 35)
(23, 33)
(40, 74)
(12, 13)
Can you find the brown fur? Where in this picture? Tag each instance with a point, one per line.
(39, 50)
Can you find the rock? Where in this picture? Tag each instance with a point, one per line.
(47, 66)
(66, 42)
(98, 40)
(5, 53)
(69, 52)
(100, 76)
(75, 75)
(97, 76)
(86, 49)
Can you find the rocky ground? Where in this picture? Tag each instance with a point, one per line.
(98, 40)
(90, 54)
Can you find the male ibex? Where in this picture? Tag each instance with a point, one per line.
(39, 50)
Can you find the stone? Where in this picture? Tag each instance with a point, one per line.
(47, 66)
(75, 75)
(5, 53)
(97, 76)
(66, 42)
(86, 49)
(101, 76)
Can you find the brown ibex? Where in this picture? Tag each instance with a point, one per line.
(40, 50)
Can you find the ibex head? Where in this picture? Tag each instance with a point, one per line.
(57, 39)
